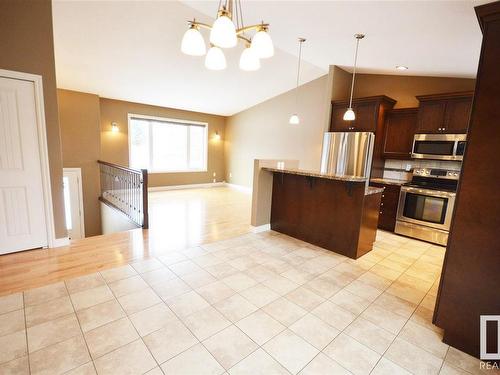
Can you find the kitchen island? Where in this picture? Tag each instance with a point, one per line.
(338, 213)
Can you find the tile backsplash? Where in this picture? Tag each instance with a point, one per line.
(403, 169)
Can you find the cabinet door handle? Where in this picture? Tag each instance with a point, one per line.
(382, 203)
(380, 212)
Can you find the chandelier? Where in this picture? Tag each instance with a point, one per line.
(225, 32)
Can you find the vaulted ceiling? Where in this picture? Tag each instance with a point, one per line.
(130, 50)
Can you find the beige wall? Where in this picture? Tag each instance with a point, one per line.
(114, 146)
(263, 132)
(27, 45)
(404, 88)
(81, 148)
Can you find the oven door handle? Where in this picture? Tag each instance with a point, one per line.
(433, 193)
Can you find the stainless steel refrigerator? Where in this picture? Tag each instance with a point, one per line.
(347, 153)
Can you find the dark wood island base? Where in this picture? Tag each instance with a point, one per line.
(336, 213)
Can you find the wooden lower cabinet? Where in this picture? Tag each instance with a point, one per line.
(388, 206)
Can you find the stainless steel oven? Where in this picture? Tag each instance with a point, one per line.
(426, 205)
(439, 146)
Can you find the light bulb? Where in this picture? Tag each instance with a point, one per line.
(114, 127)
(215, 59)
(262, 44)
(249, 60)
(193, 43)
(349, 115)
(294, 119)
(223, 33)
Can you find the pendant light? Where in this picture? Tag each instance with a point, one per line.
(249, 61)
(215, 59)
(349, 115)
(294, 119)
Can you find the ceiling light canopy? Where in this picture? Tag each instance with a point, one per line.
(401, 67)
(225, 32)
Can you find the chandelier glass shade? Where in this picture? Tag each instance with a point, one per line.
(249, 60)
(225, 32)
(193, 43)
(215, 59)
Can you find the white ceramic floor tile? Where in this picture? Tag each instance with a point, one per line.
(109, 337)
(352, 355)
(99, 315)
(196, 360)
(334, 315)
(45, 293)
(291, 351)
(91, 297)
(230, 346)
(315, 331)
(133, 358)
(187, 303)
(52, 332)
(412, 358)
(206, 322)
(370, 335)
(215, 292)
(44, 312)
(137, 301)
(126, 286)
(78, 284)
(169, 341)
(235, 307)
(258, 363)
(322, 364)
(259, 295)
(11, 322)
(11, 302)
(152, 318)
(260, 327)
(284, 311)
(13, 346)
(304, 298)
(118, 273)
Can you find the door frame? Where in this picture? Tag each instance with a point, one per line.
(52, 241)
(78, 172)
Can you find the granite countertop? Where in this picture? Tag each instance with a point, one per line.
(304, 172)
(373, 190)
(388, 181)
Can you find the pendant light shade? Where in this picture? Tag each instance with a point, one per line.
(215, 59)
(223, 33)
(294, 119)
(262, 44)
(193, 43)
(349, 115)
(249, 60)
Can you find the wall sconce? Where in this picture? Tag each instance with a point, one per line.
(114, 127)
(217, 136)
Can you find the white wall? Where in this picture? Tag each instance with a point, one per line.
(263, 131)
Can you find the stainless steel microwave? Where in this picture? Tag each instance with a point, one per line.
(439, 146)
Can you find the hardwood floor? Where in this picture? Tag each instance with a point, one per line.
(178, 219)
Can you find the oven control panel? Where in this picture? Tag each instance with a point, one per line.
(437, 173)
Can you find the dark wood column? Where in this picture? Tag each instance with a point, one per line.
(470, 282)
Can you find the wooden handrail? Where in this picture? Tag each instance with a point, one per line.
(126, 190)
(121, 167)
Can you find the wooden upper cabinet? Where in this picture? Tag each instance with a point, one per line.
(444, 113)
(400, 126)
(367, 110)
(457, 115)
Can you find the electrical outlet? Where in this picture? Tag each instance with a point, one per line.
(408, 167)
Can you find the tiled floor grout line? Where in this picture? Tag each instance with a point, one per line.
(81, 330)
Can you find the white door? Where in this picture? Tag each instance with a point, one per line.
(22, 214)
(73, 202)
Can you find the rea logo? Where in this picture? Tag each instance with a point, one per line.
(485, 355)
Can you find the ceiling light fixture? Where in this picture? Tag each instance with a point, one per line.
(401, 67)
(225, 32)
(349, 115)
(294, 119)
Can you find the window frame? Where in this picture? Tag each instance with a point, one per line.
(204, 125)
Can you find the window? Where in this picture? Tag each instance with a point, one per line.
(166, 145)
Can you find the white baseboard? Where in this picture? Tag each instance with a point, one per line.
(59, 242)
(242, 188)
(261, 228)
(187, 186)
